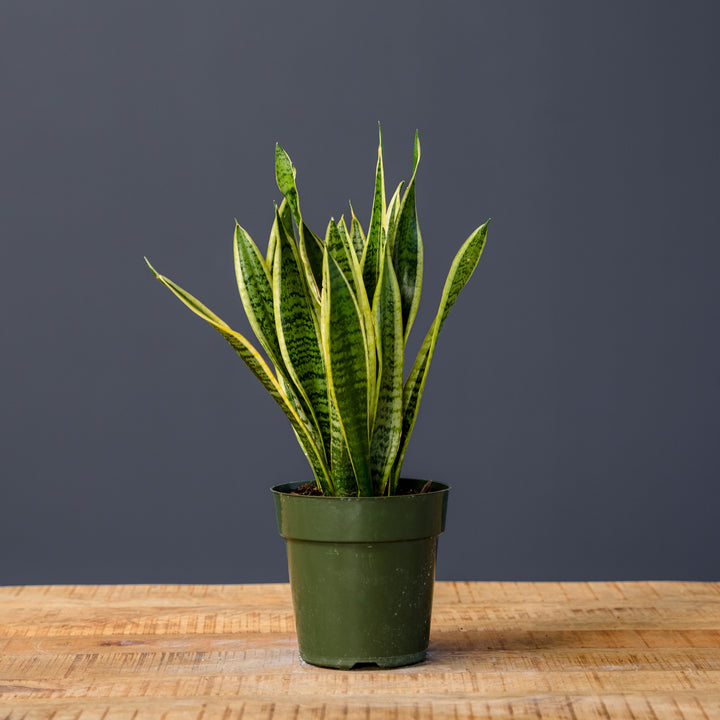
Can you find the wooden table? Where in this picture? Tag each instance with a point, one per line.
(497, 650)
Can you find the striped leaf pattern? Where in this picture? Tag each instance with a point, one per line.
(333, 317)
(299, 333)
(346, 361)
(341, 467)
(408, 251)
(256, 293)
(388, 403)
(356, 236)
(373, 252)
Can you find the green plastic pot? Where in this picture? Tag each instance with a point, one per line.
(362, 571)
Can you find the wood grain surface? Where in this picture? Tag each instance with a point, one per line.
(497, 650)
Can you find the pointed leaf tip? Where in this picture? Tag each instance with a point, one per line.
(152, 269)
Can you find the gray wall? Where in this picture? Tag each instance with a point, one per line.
(574, 400)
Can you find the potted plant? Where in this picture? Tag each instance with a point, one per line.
(333, 317)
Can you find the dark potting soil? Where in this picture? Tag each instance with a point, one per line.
(313, 490)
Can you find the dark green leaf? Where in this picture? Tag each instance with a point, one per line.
(341, 468)
(408, 257)
(311, 254)
(285, 176)
(346, 358)
(255, 286)
(373, 252)
(357, 236)
(298, 332)
(387, 315)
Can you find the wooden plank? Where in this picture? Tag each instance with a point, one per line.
(556, 650)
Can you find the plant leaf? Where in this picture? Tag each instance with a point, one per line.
(259, 368)
(392, 214)
(256, 292)
(346, 362)
(407, 251)
(460, 272)
(287, 221)
(341, 467)
(311, 248)
(387, 428)
(340, 250)
(342, 229)
(311, 253)
(298, 332)
(255, 286)
(357, 236)
(285, 177)
(272, 242)
(373, 252)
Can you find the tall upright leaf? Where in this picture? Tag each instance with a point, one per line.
(340, 250)
(391, 216)
(357, 236)
(256, 293)
(338, 246)
(272, 241)
(372, 253)
(343, 230)
(408, 251)
(346, 362)
(460, 272)
(385, 440)
(341, 467)
(310, 245)
(337, 242)
(299, 333)
(285, 177)
(287, 221)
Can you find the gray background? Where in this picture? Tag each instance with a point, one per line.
(574, 400)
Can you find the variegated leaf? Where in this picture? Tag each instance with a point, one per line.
(338, 246)
(285, 177)
(408, 251)
(392, 214)
(346, 362)
(372, 253)
(311, 253)
(385, 440)
(272, 242)
(298, 332)
(310, 245)
(357, 236)
(255, 286)
(341, 467)
(256, 292)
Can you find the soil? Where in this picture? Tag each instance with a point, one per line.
(313, 490)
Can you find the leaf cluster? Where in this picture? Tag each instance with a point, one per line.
(333, 316)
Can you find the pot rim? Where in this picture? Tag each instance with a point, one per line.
(285, 489)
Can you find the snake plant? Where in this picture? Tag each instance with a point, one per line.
(333, 316)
